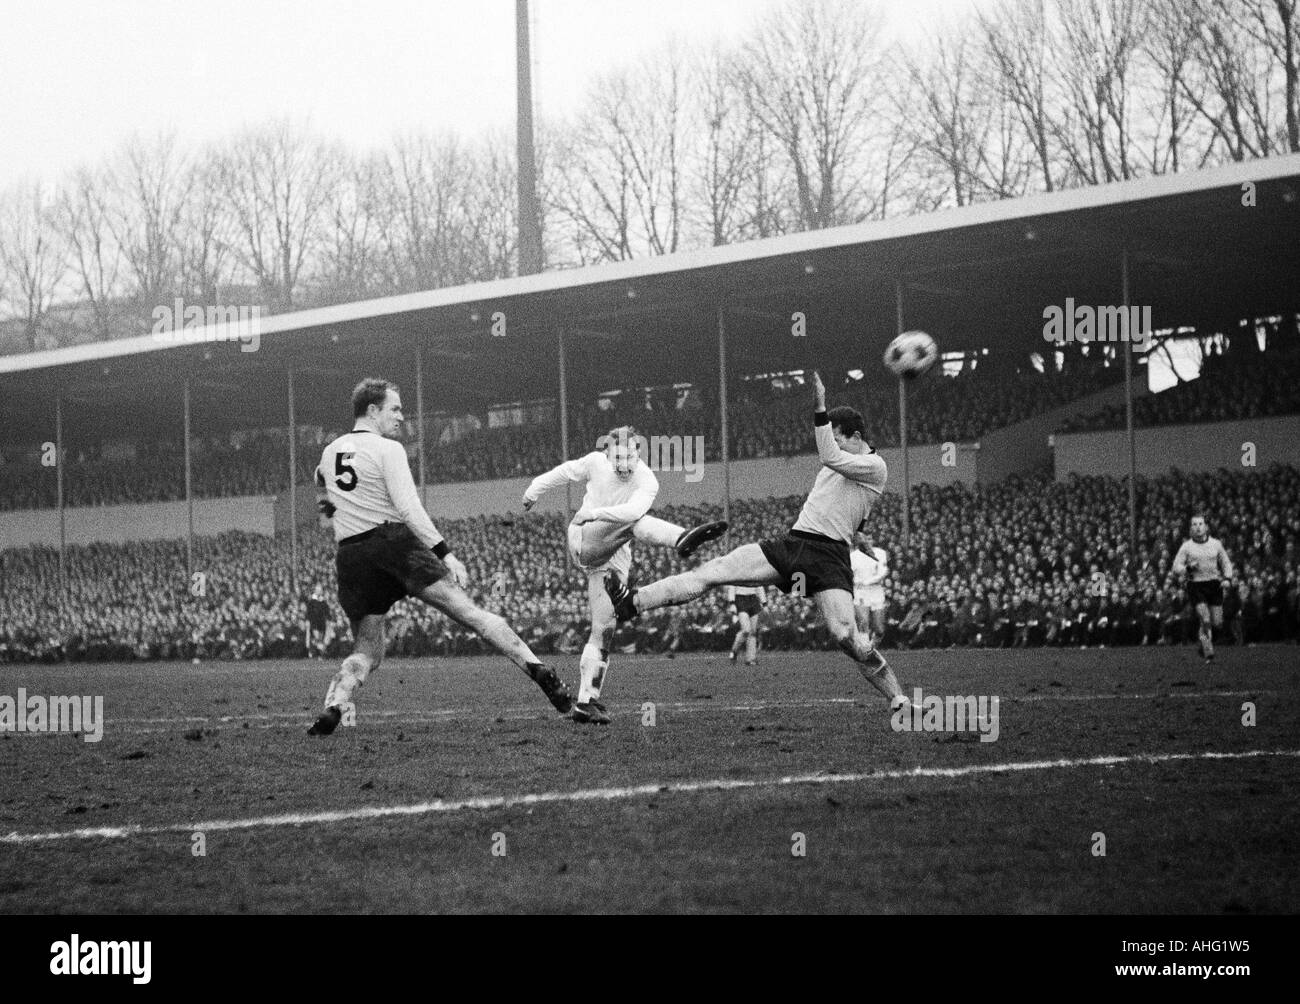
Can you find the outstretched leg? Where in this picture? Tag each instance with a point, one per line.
(836, 606)
(746, 565)
(446, 596)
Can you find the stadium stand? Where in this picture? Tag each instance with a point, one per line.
(1022, 563)
(764, 422)
(1239, 383)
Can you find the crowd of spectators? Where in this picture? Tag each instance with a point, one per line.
(1240, 383)
(1024, 563)
(764, 421)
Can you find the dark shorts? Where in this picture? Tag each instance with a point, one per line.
(1209, 592)
(747, 603)
(317, 624)
(381, 566)
(817, 562)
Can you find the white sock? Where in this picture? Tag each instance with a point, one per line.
(653, 530)
(350, 677)
(751, 648)
(592, 668)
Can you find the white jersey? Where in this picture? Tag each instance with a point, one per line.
(846, 488)
(869, 571)
(609, 498)
(368, 480)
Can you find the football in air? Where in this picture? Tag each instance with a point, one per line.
(911, 354)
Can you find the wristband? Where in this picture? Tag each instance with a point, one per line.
(441, 550)
(821, 417)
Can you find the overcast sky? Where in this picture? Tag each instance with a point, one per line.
(76, 79)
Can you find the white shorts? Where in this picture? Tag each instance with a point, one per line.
(872, 599)
(601, 546)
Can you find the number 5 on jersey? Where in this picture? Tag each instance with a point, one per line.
(343, 471)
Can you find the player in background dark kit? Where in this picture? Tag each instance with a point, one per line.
(389, 549)
(812, 558)
(747, 603)
(1204, 564)
(318, 622)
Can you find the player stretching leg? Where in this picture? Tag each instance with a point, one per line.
(747, 603)
(390, 549)
(620, 492)
(813, 556)
(1204, 563)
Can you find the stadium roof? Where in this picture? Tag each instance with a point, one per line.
(975, 276)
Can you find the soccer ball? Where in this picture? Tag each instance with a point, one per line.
(911, 354)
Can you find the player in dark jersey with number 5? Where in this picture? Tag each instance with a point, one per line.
(389, 549)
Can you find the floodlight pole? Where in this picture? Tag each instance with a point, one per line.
(293, 492)
(1126, 348)
(722, 410)
(530, 225)
(189, 492)
(419, 419)
(564, 418)
(902, 424)
(58, 487)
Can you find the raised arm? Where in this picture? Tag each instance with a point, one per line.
(865, 468)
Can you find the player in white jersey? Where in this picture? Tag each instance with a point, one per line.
(614, 512)
(1203, 563)
(747, 602)
(388, 548)
(870, 568)
(812, 559)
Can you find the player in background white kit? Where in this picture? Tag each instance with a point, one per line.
(747, 603)
(870, 569)
(620, 492)
(388, 549)
(1204, 563)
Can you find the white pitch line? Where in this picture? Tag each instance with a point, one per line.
(292, 719)
(613, 794)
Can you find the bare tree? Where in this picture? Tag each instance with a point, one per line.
(275, 181)
(1238, 72)
(84, 214)
(1097, 42)
(622, 176)
(152, 183)
(492, 213)
(423, 192)
(349, 243)
(813, 74)
(207, 233)
(1170, 44)
(31, 256)
(736, 188)
(1274, 25)
(1016, 40)
(965, 133)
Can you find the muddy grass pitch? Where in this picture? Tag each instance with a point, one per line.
(781, 787)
